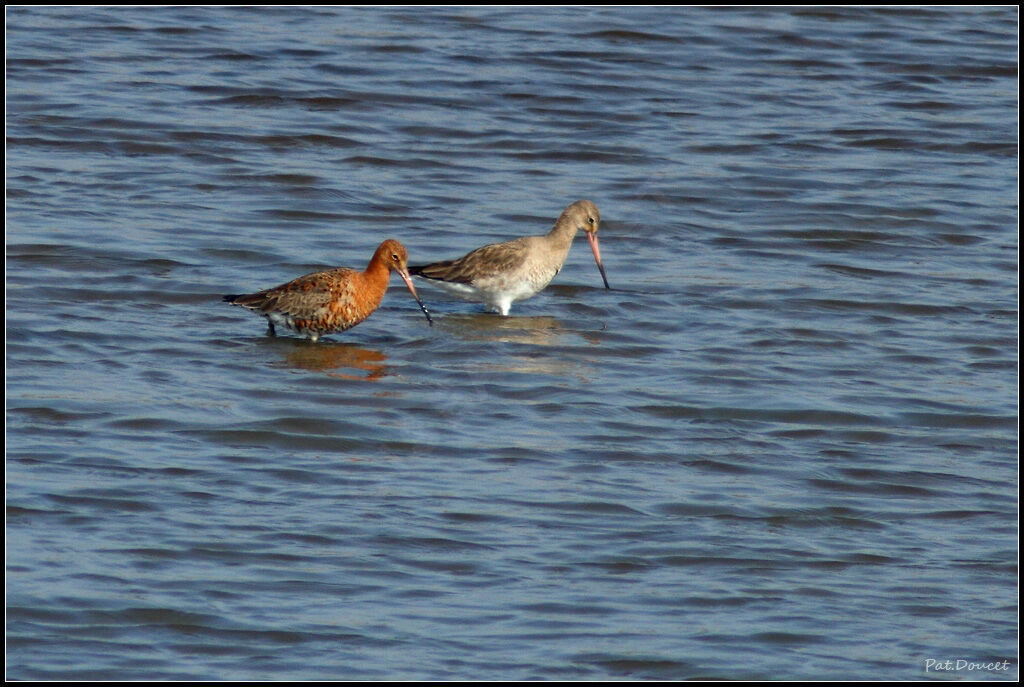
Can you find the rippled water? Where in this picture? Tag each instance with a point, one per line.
(783, 446)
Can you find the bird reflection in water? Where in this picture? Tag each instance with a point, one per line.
(338, 360)
(538, 331)
(547, 334)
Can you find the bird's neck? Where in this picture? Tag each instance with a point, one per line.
(562, 234)
(377, 273)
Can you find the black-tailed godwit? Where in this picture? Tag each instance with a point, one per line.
(501, 273)
(333, 300)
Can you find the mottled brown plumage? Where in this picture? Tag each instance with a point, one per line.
(333, 300)
(501, 273)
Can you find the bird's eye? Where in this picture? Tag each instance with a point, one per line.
(394, 256)
(590, 219)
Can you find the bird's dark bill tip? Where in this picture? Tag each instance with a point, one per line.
(426, 312)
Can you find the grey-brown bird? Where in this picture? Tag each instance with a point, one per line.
(500, 274)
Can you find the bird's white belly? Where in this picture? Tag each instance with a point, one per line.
(499, 293)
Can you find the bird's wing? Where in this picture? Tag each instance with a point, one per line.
(482, 263)
(304, 298)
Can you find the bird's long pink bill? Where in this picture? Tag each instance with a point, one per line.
(592, 240)
(412, 289)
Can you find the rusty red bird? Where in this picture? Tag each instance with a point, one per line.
(333, 300)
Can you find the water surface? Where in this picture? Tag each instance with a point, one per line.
(783, 446)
